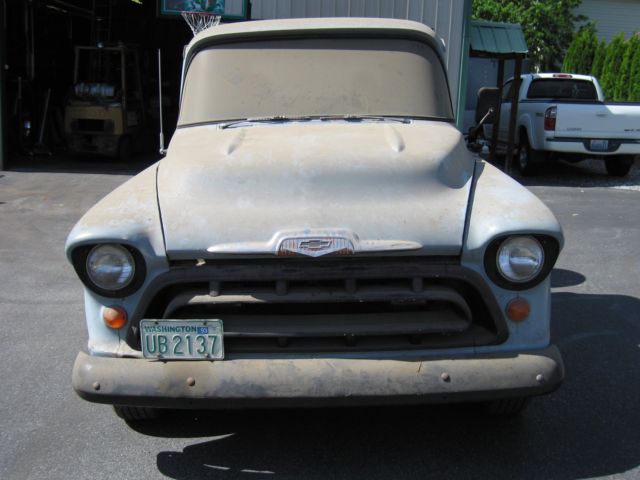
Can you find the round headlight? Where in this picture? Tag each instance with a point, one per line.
(520, 259)
(110, 267)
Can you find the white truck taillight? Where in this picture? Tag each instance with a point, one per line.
(550, 118)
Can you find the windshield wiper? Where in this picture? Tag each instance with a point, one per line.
(271, 119)
(307, 118)
(360, 118)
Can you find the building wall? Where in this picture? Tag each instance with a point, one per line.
(2, 86)
(446, 17)
(612, 16)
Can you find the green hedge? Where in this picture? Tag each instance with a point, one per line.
(616, 65)
(634, 86)
(598, 59)
(581, 51)
(612, 64)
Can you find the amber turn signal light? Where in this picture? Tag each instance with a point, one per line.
(114, 317)
(518, 310)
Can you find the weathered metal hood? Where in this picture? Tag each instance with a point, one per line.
(264, 189)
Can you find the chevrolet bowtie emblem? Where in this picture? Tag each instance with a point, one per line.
(313, 242)
(315, 246)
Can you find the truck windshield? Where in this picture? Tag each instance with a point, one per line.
(562, 89)
(315, 77)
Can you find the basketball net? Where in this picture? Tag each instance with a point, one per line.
(198, 21)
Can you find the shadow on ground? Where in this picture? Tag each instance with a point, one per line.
(586, 174)
(65, 163)
(562, 435)
(566, 278)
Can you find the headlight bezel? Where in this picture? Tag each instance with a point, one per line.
(80, 256)
(550, 250)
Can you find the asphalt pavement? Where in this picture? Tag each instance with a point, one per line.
(590, 428)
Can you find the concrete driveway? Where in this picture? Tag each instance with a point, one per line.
(587, 429)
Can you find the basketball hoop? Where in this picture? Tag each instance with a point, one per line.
(200, 20)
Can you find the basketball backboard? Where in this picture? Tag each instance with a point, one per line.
(230, 9)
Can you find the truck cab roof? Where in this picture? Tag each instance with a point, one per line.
(296, 27)
(557, 75)
(560, 76)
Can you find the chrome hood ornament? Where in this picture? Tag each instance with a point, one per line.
(315, 246)
(313, 243)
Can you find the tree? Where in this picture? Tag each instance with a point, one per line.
(611, 68)
(598, 59)
(571, 57)
(547, 25)
(634, 76)
(624, 79)
(580, 54)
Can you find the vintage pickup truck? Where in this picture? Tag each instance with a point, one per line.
(317, 234)
(562, 115)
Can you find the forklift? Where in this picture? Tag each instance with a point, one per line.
(105, 109)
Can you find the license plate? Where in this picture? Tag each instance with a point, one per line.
(182, 339)
(599, 145)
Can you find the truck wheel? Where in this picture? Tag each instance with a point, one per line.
(508, 407)
(135, 414)
(619, 165)
(529, 160)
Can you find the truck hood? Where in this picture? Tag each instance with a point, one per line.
(315, 188)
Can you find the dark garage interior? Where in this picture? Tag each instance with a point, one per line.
(38, 46)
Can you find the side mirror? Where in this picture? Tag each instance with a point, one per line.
(487, 99)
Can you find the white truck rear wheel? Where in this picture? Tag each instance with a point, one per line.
(529, 160)
(619, 165)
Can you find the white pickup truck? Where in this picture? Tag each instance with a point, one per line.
(564, 116)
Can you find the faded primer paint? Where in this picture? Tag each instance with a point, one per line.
(409, 182)
(378, 188)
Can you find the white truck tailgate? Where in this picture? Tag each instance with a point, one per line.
(598, 120)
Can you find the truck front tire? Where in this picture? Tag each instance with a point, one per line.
(619, 165)
(135, 414)
(507, 407)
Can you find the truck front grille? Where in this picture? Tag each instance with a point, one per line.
(332, 305)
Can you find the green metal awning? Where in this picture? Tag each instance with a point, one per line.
(494, 39)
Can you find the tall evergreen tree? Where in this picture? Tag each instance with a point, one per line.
(590, 45)
(612, 62)
(623, 80)
(634, 76)
(569, 63)
(580, 53)
(598, 59)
